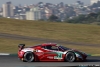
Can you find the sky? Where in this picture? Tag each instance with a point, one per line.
(28, 2)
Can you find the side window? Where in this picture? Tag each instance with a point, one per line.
(60, 49)
(51, 47)
(48, 47)
(44, 47)
(54, 48)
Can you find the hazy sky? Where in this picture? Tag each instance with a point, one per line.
(16, 2)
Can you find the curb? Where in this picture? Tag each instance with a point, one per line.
(6, 54)
(94, 55)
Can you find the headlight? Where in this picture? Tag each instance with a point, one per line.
(78, 55)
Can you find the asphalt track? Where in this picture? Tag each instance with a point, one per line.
(13, 61)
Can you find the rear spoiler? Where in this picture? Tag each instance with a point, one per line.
(21, 46)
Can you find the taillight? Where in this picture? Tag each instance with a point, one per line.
(20, 53)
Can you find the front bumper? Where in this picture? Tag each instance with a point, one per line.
(80, 57)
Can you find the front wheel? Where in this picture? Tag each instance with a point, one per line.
(29, 57)
(70, 57)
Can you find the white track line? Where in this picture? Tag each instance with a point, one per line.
(4, 53)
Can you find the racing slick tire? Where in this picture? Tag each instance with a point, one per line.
(70, 57)
(29, 57)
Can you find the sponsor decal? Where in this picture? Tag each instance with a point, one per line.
(39, 54)
(39, 51)
(59, 55)
(27, 49)
(50, 57)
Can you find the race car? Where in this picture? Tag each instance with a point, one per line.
(49, 52)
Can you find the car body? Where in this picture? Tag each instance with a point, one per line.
(49, 52)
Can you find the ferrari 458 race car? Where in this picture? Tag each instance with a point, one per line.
(49, 52)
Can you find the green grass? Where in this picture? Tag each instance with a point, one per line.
(51, 30)
(59, 31)
(11, 46)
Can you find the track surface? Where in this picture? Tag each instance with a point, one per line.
(12, 61)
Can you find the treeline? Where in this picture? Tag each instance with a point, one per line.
(86, 19)
(95, 5)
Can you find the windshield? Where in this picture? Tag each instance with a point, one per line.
(64, 48)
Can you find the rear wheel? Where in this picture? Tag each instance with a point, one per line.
(29, 57)
(70, 57)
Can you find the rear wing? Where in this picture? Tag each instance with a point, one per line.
(21, 46)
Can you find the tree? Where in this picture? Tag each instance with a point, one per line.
(92, 15)
(90, 18)
(79, 19)
(98, 13)
(53, 18)
(98, 18)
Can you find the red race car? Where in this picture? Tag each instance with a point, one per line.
(49, 52)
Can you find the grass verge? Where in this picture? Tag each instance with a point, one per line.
(11, 46)
(51, 30)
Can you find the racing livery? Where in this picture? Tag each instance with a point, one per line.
(49, 52)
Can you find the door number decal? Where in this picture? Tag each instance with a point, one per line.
(59, 55)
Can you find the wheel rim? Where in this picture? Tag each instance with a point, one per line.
(29, 57)
(70, 57)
